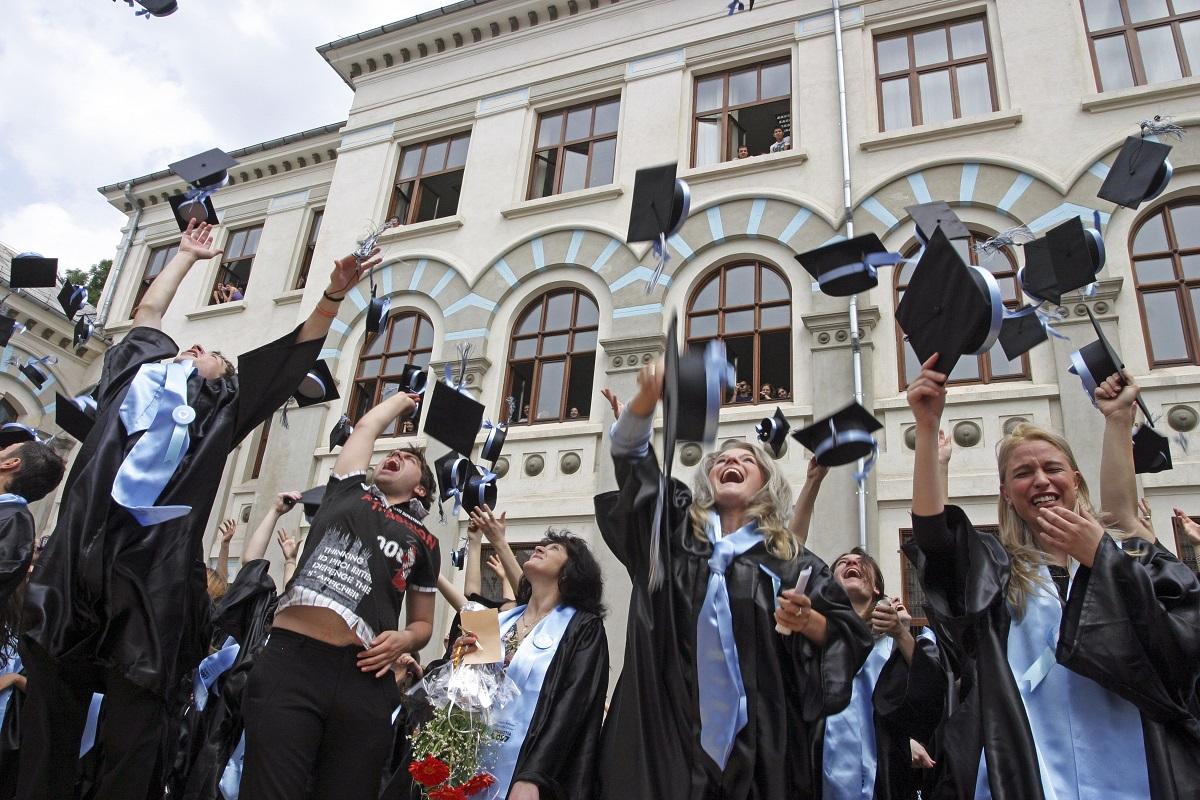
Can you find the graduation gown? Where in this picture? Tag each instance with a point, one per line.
(650, 746)
(109, 594)
(1131, 624)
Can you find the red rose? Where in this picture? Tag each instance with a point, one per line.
(447, 793)
(429, 771)
(477, 784)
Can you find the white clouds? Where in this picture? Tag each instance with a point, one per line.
(53, 230)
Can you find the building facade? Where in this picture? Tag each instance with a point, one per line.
(505, 136)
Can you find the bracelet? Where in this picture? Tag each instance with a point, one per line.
(328, 296)
(324, 313)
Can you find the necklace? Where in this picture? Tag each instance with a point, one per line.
(523, 627)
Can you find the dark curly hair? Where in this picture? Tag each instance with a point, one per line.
(581, 584)
(427, 479)
(40, 472)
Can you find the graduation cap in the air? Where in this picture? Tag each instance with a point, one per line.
(341, 432)
(32, 369)
(154, 8)
(84, 328)
(1021, 331)
(848, 266)
(949, 307)
(413, 379)
(205, 170)
(931, 216)
(701, 380)
(842, 437)
(661, 204)
(1095, 361)
(1140, 173)
(317, 386)
(72, 297)
(14, 432)
(75, 415)
(479, 489)
(772, 432)
(1151, 450)
(1069, 257)
(377, 312)
(311, 500)
(32, 271)
(186, 209)
(452, 472)
(454, 417)
(8, 326)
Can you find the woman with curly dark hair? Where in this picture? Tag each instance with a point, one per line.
(556, 651)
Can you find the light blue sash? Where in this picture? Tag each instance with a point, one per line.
(211, 668)
(88, 740)
(9, 497)
(231, 778)
(1089, 741)
(13, 665)
(156, 403)
(850, 755)
(527, 670)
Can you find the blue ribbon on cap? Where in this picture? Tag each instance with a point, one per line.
(79, 293)
(866, 266)
(767, 428)
(1079, 367)
(481, 483)
(464, 353)
(718, 375)
(997, 309)
(198, 194)
(837, 437)
(660, 246)
(1044, 318)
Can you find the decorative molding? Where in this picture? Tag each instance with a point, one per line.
(832, 329)
(365, 136)
(288, 298)
(505, 101)
(219, 310)
(1138, 95)
(922, 134)
(477, 368)
(416, 229)
(745, 166)
(667, 61)
(582, 197)
(286, 202)
(631, 354)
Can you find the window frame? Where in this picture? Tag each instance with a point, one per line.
(414, 204)
(1128, 30)
(1181, 286)
(226, 266)
(951, 66)
(984, 363)
(487, 580)
(917, 612)
(721, 309)
(1185, 551)
(381, 378)
(260, 448)
(724, 109)
(310, 247)
(538, 359)
(147, 278)
(592, 139)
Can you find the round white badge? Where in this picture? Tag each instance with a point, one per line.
(183, 415)
(543, 641)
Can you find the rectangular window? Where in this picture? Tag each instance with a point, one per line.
(234, 273)
(1136, 42)
(741, 109)
(310, 246)
(490, 583)
(933, 74)
(575, 149)
(159, 258)
(430, 179)
(911, 591)
(264, 433)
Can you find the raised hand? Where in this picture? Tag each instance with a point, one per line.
(613, 402)
(1190, 528)
(927, 395)
(1116, 395)
(288, 544)
(493, 527)
(227, 529)
(494, 564)
(349, 270)
(285, 502)
(815, 472)
(1077, 535)
(197, 241)
(945, 448)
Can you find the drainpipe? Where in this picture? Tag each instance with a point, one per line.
(114, 275)
(847, 211)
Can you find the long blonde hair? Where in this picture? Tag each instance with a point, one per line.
(769, 507)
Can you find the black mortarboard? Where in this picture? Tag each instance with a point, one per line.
(480, 490)
(660, 204)
(71, 297)
(186, 210)
(701, 380)
(453, 418)
(159, 8)
(931, 216)
(13, 432)
(1140, 172)
(413, 379)
(452, 472)
(377, 313)
(1068, 258)
(76, 415)
(84, 328)
(1151, 450)
(206, 169)
(341, 432)
(32, 271)
(32, 369)
(847, 267)
(8, 326)
(311, 500)
(949, 308)
(773, 431)
(841, 438)
(1095, 361)
(317, 386)
(494, 443)
(1021, 332)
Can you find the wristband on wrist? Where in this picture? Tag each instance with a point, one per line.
(328, 296)
(324, 313)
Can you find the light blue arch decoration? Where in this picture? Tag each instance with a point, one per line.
(12, 357)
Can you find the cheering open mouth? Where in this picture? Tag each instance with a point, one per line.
(732, 475)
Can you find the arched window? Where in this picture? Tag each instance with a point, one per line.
(748, 306)
(407, 340)
(552, 358)
(8, 412)
(1166, 268)
(992, 366)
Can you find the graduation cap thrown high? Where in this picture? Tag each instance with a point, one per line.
(75, 415)
(1021, 331)
(186, 209)
(377, 312)
(8, 326)
(493, 445)
(72, 297)
(949, 307)
(413, 379)
(317, 386)
(341, 432)
(1095, 361)
(32, 369)
(701, 380)
(1069, 257)
(32, 271)
(453, 416)
(84, 328)
(847, 267)
(772, 432)
(13, 432)
(154, 8)
(661, 204)
(479, 489)
(204, 170)
(934, 215)
(1151, 450)
(1140, 173)
(841, 438)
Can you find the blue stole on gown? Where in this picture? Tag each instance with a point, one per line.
(1089, 740)
(527, 670)
(849, 756)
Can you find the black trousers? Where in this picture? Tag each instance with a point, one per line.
(317, 727)
(131, 735)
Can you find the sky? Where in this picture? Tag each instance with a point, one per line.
(94, 94)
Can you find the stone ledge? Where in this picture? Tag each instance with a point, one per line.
(996, 120)
(558, 202)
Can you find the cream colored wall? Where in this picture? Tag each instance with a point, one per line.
(1051, 127)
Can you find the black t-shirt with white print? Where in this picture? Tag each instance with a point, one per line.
(360, 556)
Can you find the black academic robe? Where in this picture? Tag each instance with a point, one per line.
(650, 746)
(1132, 624)
(109, 594)
(17, 535)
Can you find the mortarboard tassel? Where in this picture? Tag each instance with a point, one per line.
(1160, 125)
